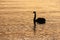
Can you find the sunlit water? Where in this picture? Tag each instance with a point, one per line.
(16, 20)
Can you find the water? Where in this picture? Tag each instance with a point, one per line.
(16, 20)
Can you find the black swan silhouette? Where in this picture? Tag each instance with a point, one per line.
(38, 20)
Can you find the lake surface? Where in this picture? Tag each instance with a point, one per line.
(16, 19)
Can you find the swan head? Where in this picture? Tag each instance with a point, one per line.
(34, 11)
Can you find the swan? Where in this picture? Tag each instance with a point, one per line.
(38, 20)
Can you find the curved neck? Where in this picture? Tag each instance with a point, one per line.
(34, 16)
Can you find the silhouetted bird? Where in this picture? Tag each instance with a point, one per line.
(38, 20)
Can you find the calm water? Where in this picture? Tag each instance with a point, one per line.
(16, 20)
